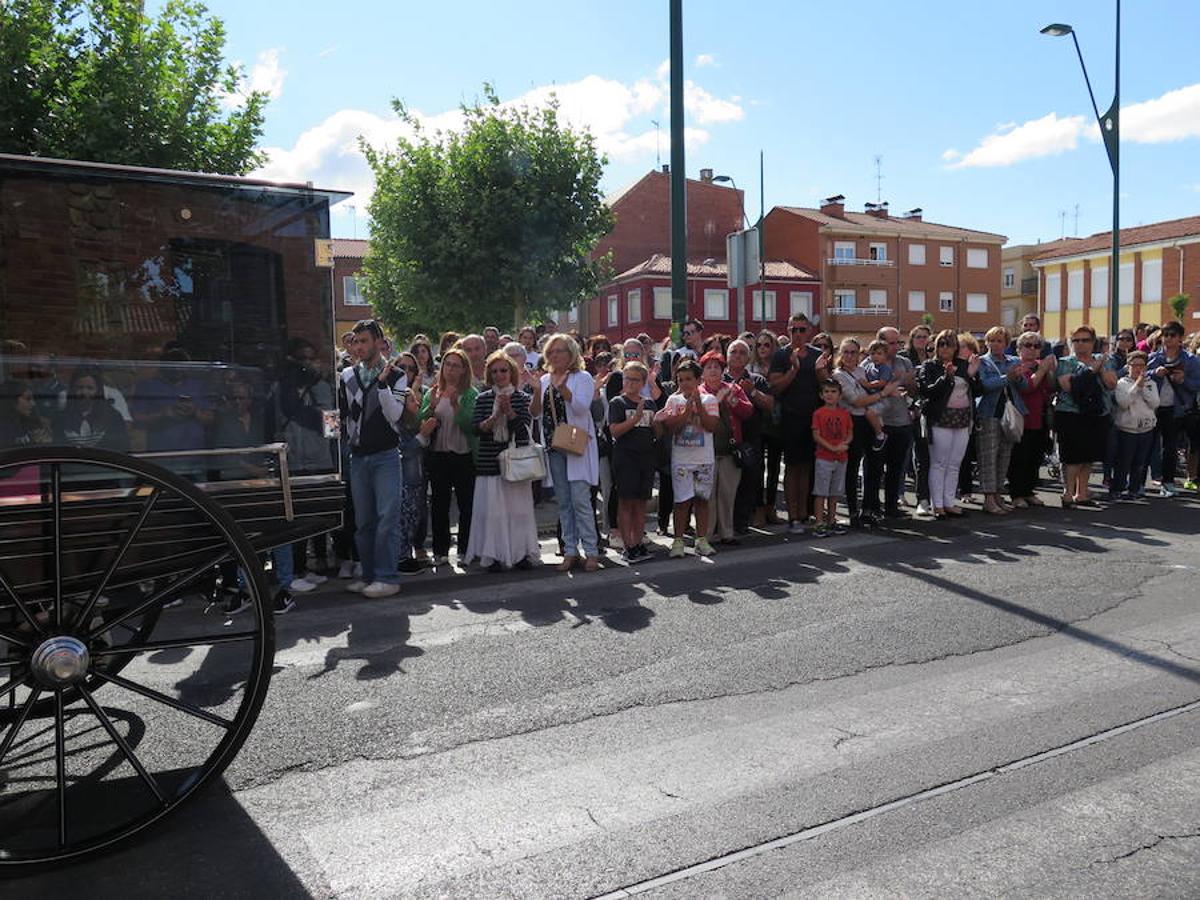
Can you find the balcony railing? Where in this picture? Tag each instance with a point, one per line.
(855, 261)
(859, 311)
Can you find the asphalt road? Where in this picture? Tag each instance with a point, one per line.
(858, 716)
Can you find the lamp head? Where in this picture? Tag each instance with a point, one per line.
(1057, 29)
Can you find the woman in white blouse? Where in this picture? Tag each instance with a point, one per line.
(566, 397)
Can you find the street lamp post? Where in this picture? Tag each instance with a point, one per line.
(741, 295)
(1110, 131)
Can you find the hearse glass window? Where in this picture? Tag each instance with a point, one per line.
(151, 314)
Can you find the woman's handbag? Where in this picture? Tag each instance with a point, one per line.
(1012, 423)
(527, 463)
(567, 438)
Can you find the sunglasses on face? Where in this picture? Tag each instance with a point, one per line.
(1082, 340)
(800, 330)
(1029, 346)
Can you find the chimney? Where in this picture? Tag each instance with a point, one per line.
(834, 206)
(666, 169)
(914, 215)
(878, 210)
(706, 175)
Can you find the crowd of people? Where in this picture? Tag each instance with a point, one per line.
(463, 442)
(449, 447)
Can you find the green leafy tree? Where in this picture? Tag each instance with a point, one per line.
(490, 224)
(1179, 304)
(100, 80)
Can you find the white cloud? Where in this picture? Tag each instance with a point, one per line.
(1175, 116)
(1046, 136)
(266, 75)
(328, 51)
(663, 72)
(705, 59)
(617, 113)
(950, 155)
(707, 109)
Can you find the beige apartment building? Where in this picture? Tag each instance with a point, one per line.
(878, 269)
(1019, 279)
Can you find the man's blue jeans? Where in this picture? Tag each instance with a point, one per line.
(375, 486)
(574, 509)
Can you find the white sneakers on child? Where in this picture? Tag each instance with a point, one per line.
(377, 589)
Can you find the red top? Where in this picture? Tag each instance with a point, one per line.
(1035, 399)
(834, 425)
(741, 410)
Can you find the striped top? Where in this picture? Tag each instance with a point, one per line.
(487, 455)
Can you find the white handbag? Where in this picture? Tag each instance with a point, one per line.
(1012, 423)
(526, 463)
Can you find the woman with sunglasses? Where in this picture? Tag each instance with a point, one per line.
(1035, 388)
(503, 529)
(1082, 408)
(918, 352)
(946, 384)
(765, 346)
(445, 425)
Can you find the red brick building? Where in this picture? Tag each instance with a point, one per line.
(639, 299)
(879, 269)
(641, 245)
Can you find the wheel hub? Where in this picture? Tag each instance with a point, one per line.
(60, 662)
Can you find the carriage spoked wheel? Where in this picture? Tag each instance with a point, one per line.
(123, 687)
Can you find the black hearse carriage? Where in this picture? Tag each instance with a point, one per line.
(166, 413)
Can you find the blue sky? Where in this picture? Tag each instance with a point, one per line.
(979, 119)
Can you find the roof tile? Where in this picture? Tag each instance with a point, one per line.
(1130, 237)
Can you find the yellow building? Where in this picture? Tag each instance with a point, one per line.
(1157, 262)
(1019, 280)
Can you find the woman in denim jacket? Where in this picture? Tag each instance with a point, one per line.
(998, 374)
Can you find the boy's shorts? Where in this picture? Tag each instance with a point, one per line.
(633, 476)
(690, 481)
(829, 478)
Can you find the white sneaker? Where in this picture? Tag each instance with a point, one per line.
(301, 586)
(346, 570)
(314, 578)
(378, 589)
(356, 587)
(924, 509)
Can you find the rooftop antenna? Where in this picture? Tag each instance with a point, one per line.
(353, 218)
(657, 147)
(1062, 223)
(1076, 220)
(878, 178)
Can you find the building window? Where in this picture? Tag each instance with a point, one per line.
(1053, 292)
(977, 303)
(844, 250)
(1126, 285)
(633, 306)
(946, 301)
(1152, 280)
(916, 301)
(716, 303)
(878, 251)
(845, 299)
(351, 292)
(916, 254)
(977, 258)
(878, 297)
(662, 303)
(945, 257)
(758, 311)
(1075, 289)
(1010, 277)
(614, 309)
(800, 302)
(1099, 286)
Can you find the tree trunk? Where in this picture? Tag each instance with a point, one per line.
(520, 311)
